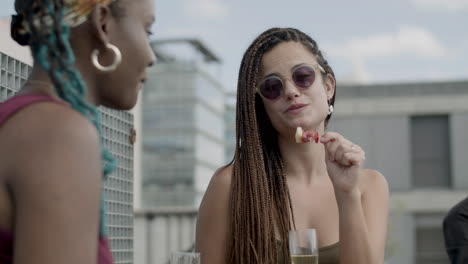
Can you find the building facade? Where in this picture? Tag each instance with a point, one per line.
(183, 125)
(414, 134)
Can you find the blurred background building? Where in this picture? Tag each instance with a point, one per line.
(183, 123)
(415, 134)
(183, 107)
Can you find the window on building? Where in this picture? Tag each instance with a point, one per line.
(430, 151)
(429, 238)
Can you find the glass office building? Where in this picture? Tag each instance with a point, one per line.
(183, 124)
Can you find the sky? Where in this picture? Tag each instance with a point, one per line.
(365, 41)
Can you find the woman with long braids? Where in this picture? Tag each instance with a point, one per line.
(86, 53)
(275, 184)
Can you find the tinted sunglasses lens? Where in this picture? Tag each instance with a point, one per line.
(271, 88)
(304, 76)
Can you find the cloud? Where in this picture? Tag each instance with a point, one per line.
(209, 9)
(181, 32)
(408, 41)
(359, 74)
(451, 5)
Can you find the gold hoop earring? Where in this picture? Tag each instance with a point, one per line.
(114, 65)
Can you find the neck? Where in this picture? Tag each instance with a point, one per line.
(304, 162)
(39, 82)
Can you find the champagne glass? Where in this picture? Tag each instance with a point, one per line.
(303, 246)
(185, 258)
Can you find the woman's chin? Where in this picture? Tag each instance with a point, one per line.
(305, 125)
(299, 123)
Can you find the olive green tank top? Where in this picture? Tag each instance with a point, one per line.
(327, 255)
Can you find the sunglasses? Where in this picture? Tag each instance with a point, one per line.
(272, 87)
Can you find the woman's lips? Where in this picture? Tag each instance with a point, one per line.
(295, 108)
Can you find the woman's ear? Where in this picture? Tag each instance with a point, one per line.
(330, 85)
(100, 20)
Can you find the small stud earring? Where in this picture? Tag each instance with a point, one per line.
(330, 109)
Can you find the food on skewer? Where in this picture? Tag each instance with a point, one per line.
(304, 136)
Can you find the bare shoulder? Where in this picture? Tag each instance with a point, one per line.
(41, 124)
(218, 191)
(373, 181)
(55, 119)
(213, 217)
(222, 177)
(51, 128)
(56, 177)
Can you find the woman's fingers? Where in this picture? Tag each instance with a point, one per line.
(339, 149)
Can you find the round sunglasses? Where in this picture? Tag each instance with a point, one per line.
(272, 87)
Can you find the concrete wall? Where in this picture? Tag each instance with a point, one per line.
(385, 139)
(400, 244)
(459, 147)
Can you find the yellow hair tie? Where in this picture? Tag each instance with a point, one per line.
(78, 10)
(85, 7)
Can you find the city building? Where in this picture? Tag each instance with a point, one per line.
(183, 123)
(415, 134)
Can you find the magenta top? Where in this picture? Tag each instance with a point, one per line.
(8, 109)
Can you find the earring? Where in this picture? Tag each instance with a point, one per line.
(114, 65)
(330, 109)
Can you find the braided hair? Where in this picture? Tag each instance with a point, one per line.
(260, 199)
(40, 24)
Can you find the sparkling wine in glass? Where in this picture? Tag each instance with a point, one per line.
(303, 246)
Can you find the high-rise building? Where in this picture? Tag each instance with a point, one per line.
(183, 124)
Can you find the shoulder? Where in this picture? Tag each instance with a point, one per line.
(49, 133)
(222, 177)
(219, 188)
(214, 208)
(216, 198)
(458, 214)
(50, 122)
(212, 231)
(455, 224)
(373, 181)
(56, 180)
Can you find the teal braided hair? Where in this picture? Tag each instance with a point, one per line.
(51, 48)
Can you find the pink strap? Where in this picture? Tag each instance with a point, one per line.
(16, 103)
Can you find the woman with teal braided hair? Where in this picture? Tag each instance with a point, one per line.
(86, 53)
